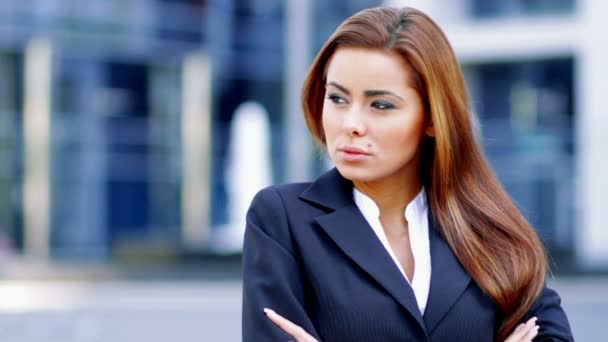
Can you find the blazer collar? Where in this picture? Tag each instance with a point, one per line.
(347, 227)
(331, 190)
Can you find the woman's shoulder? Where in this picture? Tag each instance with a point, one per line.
(285, 192)
(329, 190)
(290, 188)
(271, 208)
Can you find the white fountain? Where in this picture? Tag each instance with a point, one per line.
(248, 170)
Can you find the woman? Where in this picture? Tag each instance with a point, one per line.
(410, 237)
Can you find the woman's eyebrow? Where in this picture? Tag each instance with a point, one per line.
(372, 93)
(367, 93)
(340, 87)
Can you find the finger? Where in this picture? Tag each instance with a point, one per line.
(282, 322)
(521, 330)
(531, 334)
(516, 334)
(289, 327)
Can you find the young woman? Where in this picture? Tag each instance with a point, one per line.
(411, 236)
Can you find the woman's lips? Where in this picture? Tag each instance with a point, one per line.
(352, 154)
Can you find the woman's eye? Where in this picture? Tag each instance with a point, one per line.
(382, 105)
(337, 99)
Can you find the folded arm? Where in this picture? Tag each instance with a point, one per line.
(272, 276)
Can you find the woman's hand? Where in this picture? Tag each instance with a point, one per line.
(524, 332)
(294, 330)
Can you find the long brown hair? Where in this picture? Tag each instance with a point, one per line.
(478, 219)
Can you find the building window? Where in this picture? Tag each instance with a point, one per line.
(518, 8)
(526, 113)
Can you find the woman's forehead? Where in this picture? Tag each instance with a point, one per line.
(370, 67)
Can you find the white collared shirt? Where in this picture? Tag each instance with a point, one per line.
(416, 215)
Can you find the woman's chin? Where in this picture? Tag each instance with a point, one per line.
(356, 173)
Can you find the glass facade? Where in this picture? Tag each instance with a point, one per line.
(11, 150)
(526, 118)
(119, 147)
(518, 8)
(114, 148)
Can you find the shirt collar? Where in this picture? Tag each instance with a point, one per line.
(416, 208)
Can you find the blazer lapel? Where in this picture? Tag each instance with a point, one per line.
(347, 227)
(349, 230)
(448, 279)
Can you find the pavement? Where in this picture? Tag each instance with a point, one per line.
(120, 311)
(197, 304)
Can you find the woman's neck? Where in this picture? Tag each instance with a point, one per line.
(389, 196)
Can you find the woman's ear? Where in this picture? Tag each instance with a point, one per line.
(430, 129)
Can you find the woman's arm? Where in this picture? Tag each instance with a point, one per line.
(271, 274)
(524, 332)
(552, 319)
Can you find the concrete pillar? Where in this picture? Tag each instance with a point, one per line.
(196, 151)
(297, 61)
(591, 230)
(37, 141)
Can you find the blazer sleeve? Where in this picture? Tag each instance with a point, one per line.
(552, 321)
(271, 273)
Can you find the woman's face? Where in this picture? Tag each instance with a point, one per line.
(373, 118)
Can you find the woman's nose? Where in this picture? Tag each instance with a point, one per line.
(354, 124)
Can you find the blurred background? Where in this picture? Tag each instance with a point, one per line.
(134, 133)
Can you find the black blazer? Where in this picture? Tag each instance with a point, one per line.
(310, 255)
